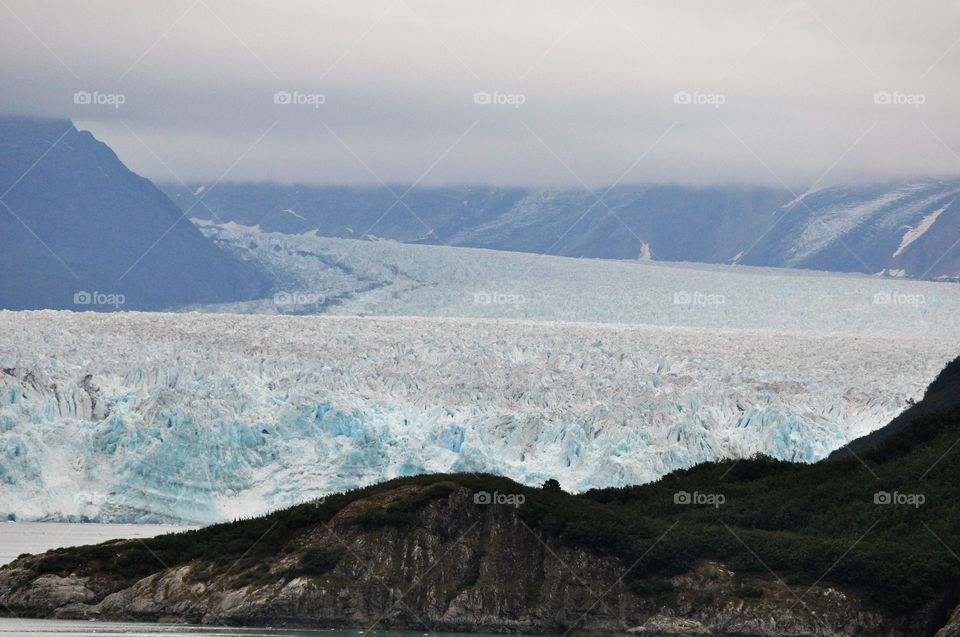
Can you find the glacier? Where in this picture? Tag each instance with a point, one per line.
(325, 275)
(196, 418)
(373, 360)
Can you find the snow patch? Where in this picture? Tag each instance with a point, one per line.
(799, 198)
(293, 212)
(915, 233)
(897, 273)
(239, 228)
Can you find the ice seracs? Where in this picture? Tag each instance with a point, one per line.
(200, 418)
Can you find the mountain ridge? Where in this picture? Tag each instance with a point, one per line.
(893, 228)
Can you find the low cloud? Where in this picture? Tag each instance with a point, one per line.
(539, 93)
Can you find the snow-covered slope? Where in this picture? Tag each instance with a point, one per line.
(190, 417)
(908, 229)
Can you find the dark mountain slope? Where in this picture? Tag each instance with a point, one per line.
(680, 223)
(905, 228)
(856, 547)
(77, 220)
(908, 229)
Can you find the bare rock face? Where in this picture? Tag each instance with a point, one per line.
(452, 565)
(54, 591)
(660, 626)
(952, 627)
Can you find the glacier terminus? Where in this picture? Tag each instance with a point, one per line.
(196, 418)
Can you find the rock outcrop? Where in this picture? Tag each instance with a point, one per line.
(452, 565)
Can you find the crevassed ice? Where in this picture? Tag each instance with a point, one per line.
(204, 417)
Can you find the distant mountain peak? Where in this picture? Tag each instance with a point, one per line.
(79, 230)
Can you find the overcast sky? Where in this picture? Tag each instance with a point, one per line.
(582, 92)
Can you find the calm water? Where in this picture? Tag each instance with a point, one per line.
(51, 628)
(36, 537)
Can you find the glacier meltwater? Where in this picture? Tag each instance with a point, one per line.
(203, 417)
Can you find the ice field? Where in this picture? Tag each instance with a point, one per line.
(350, 277)
(201, 417)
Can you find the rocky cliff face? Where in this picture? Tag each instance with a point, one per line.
(450, 564)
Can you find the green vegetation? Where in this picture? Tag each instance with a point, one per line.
(315, 562)
(400, 512)
(232, 548)
(749, 592)
(805, 523)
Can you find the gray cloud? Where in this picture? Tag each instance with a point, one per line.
(778, 90)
